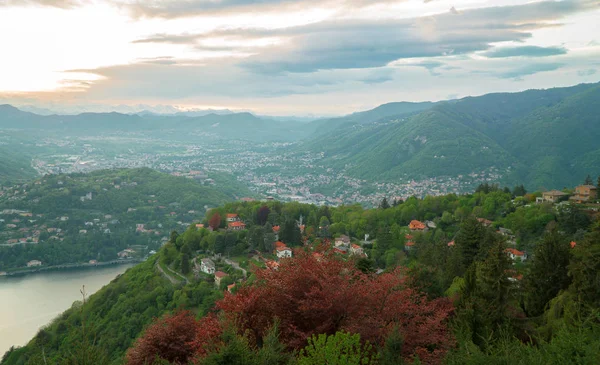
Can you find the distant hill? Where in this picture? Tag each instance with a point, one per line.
(324, 126)
(545, 138)
(14, 165)
(231, 126)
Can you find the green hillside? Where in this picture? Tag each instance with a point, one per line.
(15, 165)
(483, 306)
(545, 138)
(71, 219)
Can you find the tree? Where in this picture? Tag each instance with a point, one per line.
(263, 215)
(519, 190)
(598, 183)
(548, 273)
(384, 239)
(215, 221)
(391, 353)
(384, 204)
(313, 296)
(273, 352)
(342, 348)
(185, 264)
(588, 180)
(468, 240)
(584, 270)
(170, 338)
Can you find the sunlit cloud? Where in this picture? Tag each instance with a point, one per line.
(291, 54)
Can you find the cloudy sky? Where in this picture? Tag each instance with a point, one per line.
(289, 56)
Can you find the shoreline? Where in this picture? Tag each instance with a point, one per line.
(36, 270)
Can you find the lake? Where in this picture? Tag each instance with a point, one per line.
(29, 302)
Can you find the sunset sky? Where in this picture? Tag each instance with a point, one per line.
(317, 57)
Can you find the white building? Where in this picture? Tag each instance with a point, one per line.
(34, 263)
(356, 249)
(207, 266)
(284, 252)
(342, 240)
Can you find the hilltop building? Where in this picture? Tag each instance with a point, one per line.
(585, 193)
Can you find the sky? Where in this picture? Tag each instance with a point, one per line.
(288, 57)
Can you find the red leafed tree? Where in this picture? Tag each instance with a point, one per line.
(263, 214)
(207, 335)
(176, 338)
(215, 221)
(312, 295)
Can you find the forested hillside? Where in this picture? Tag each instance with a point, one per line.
(66, 219)
(480, 278)
(15, 164)
(529, 137)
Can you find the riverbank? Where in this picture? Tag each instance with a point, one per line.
(39, 269)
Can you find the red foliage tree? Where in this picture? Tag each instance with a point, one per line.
(263, 214)
(207, 335)
(313, 295)
(215, 221)
(169, 338)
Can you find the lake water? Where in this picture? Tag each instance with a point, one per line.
(29, 302)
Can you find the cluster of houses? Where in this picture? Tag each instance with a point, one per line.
(343, 245)
(583, 194)
(207, 266)
(234, 222)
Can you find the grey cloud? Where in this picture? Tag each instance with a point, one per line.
(350, 44)
(588, 72)
(525, 51)
(530, 69)
(379, 76)
(430, 65)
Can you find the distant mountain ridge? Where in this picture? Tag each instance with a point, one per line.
(242, 125)
(544, 138)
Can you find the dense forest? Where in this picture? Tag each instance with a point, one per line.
(472, 135)
(65, 219)
(488, 277)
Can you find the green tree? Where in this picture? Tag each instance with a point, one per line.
(548, 272)
(468, 240)
(273, 352)
(384, 204)
(588, 180)
(519, 190)
(185, 264)
(584, 270)
(340, 349)
(391, 353)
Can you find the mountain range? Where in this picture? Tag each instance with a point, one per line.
(542, 138)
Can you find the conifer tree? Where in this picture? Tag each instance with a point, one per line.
(185, 264)
(548, 273)
(584, 270)
(588, 180)
(468, 240)
(384, 204)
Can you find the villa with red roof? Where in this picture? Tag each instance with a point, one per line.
(416, 225)
(219, 275)
(232, 217)
(236, 226)
(516, 254)
(356, 249)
